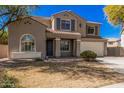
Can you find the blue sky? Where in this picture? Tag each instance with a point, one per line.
(89, 12)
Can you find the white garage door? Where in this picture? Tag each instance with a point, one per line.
(97, 47)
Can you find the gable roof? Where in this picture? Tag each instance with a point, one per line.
(70, 12)
(42, 20)
(34, 18)
(47, 20)
(73, 13)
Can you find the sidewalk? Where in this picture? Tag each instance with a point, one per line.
(119, 85)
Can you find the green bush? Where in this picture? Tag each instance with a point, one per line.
(4, 38)
(88, 55)
(7, 81)
(38, 59)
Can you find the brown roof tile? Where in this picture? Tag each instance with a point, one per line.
(44, 20)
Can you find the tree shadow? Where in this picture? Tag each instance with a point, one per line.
(73, 70)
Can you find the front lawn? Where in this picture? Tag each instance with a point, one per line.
(72, 74)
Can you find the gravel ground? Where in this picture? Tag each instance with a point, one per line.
(65, 75)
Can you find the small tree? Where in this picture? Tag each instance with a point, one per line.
(9, 14)
(115, 14)
(4, 38)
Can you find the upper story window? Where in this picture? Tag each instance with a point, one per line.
(91, 30)
(65, 24)
(27, 43)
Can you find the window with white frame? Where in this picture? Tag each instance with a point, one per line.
(65, 24)
(65, 45)
(27, 43)
(91, 30)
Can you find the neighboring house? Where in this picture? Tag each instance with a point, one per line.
(113, 42)
(64, 34)
(122, 38)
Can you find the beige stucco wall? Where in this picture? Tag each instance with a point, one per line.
(16, 30)
(82, 30)
(3, 51)
(97, 47)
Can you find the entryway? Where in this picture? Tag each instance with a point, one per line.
(49, 48)
(66, 48)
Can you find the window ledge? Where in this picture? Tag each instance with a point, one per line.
(26, 55)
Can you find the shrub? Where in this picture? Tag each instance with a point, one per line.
(4, 38)
(88, 55)
(7, 81)
(38, 59)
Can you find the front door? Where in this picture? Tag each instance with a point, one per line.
(49, 48)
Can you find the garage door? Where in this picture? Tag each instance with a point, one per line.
(97, 47)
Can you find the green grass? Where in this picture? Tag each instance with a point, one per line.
(7, 81)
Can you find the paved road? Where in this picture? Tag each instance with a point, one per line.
(117, 63)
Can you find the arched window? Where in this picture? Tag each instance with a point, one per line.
(27, 43)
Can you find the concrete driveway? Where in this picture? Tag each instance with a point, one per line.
(116, 63)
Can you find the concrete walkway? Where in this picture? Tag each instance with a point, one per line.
(116, 63)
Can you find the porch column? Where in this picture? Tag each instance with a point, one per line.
(78, 47)
(57, 47)
(74, 47)
(105, 49)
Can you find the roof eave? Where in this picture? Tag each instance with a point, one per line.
(91, 22)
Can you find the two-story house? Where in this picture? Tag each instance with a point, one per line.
(64, 34)
(122, 37)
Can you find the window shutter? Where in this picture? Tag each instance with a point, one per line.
(58, 23)
(86, 29)
(72, 25)
(96, 30)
